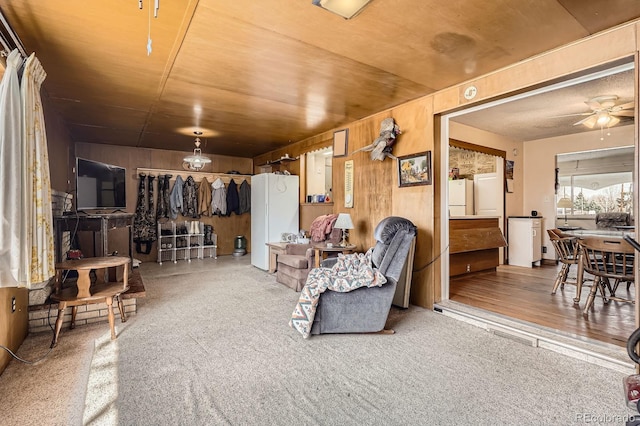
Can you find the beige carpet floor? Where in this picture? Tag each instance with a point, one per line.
(211, 345)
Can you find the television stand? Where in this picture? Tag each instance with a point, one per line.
(97, 223)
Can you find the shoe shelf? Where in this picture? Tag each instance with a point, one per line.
(186, 240)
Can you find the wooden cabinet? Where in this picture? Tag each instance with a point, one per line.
(473, 244)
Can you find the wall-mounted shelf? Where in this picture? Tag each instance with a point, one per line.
(197, 176)
(281, 160)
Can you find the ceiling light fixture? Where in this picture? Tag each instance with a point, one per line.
(345, 8)
(196, 161)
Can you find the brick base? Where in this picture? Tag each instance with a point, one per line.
(40, 316)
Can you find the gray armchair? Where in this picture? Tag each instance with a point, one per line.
(366, 309)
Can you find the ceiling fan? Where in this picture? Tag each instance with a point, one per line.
(605, 112)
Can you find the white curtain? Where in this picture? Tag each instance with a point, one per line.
(39, 215)
(13, 242)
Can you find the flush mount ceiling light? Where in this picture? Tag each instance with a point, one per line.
(345, 8)
(196, 161)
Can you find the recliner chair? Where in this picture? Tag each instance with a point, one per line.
(366, 309)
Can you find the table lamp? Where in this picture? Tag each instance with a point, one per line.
(344, 222)
(565, 203)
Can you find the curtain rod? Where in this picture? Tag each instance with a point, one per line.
(14, 37)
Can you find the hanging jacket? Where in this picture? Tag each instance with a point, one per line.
(204, 198)
(163, 197)
(233, 200)
(245, 197)
(218, 198)
(140, 220)
(176, 201)
(190, 195)
(152, 230)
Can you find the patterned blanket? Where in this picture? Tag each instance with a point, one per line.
(350, 272)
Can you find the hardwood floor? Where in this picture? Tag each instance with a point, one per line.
(525, 294)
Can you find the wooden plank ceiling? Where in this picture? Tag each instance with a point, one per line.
(257, 75)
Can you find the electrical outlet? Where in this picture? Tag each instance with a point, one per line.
(13, 304)
(544, 249)
(468, 267)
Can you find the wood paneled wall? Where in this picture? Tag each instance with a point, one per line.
(376, 191)
(60, 149)
(133, 158)
(13, 324)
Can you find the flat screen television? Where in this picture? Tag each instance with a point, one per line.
(99, 185)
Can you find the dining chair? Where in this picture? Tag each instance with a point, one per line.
(607, 259)
(567, 249)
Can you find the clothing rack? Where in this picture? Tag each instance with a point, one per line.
(197, 176)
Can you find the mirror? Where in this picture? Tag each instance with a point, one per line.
(319, 172)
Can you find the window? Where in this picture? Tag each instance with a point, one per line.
(596, 182)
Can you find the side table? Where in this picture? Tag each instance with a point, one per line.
(322, 250)
(83, 293)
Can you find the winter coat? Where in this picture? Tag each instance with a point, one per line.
(190, 195)
(245, 197)
(204, 198)
(176, 201)
(233, 200)
(218, 198)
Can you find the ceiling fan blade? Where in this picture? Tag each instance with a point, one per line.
(590, 121)
(626, 113)
(572, 115)
(628, 105)
(595, 106)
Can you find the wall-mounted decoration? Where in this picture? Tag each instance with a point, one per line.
(348, 184)
(508, 174)
(414, 169)
(340, 142)
(382, 146)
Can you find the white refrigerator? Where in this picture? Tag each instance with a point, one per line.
(460, 197)
(274, 210)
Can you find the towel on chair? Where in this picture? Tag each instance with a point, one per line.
(350, 272)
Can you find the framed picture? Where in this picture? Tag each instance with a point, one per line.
(414, 169)
(340, 139)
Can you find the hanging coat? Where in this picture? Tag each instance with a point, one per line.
(140, 220)
(190, 196)
(218, 198)
(233, 200)
(144, 232)
(245, 197)
(152, 230)
(176, 201)
(204, 198)
(163, 196)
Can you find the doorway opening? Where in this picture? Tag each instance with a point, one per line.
(532, 128)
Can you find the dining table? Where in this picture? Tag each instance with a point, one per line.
(598, 233)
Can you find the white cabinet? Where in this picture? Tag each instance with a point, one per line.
(525, 241)
(185, 241)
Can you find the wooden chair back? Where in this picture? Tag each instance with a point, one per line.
(566, 247)
(608, 258)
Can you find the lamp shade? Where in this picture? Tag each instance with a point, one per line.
(196, 161)
(345, 8)
(565, 203)
(344, 221)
